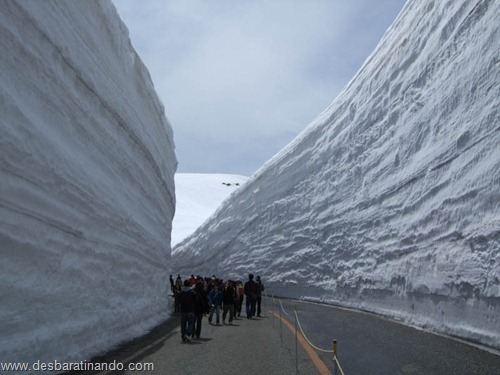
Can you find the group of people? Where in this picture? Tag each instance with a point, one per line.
(196, 297)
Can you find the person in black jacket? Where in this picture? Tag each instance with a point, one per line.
(228, 297)
(187, 303)
(251, 296)
(260, 288)
(202, 307)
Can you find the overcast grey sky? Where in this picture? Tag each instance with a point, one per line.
(241, 78)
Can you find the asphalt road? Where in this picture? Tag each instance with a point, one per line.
(368, 344)
(246, 347)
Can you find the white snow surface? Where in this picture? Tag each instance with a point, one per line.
(390, 200)
(198, 195)
(87, 184)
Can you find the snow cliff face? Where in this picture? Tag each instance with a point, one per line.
(87, 183)
(390, 200)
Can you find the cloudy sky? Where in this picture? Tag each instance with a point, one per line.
(241, 78)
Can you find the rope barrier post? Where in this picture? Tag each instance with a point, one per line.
(335, 357)
(296, 343)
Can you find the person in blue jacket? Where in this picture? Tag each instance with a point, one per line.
(215, 298)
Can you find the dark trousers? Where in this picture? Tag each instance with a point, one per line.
(197, 324)
(250, 305)
(228, 307)
(239, 304)
(176, 302)
(259, 301)
(187, 323)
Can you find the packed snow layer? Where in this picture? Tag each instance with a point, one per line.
(390, 200)
(198, 195)
(87, 183)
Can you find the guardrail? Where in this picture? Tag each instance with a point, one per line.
(337, 368)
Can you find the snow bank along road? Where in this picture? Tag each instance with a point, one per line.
(87, 196)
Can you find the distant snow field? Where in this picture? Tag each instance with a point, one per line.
(198, 196)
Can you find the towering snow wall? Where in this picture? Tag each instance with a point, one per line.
(390, 200)
(87, 183)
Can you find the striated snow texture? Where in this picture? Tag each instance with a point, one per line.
(87, 184)
(390, 200)
(198, 195)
